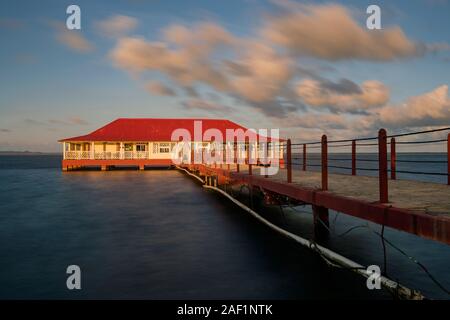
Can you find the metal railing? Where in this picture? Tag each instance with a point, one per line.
(381, 141)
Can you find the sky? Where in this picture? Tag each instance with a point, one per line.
(306, 67)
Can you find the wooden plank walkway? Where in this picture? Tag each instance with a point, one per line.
(427, 197)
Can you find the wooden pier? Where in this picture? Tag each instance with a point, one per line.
(420, 208)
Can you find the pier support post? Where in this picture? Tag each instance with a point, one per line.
(104, 168)
(324, 163)
(289, 161)
(393, 160)
(141, 167)
(382, 163)
(321, 222)
(250, 190)
(354, 158)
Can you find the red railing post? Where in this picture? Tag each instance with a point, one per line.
(393, 160)
(235, 146)
(304, 157)
(289, 161)
(267, 162)
(249, 154)
(224, 155)
(192, 153)
(448, 159)
(324, 163)
(354, 158)
(382, 166)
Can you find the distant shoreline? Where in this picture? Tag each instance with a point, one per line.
(28, 153)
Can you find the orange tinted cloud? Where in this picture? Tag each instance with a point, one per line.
(429, 109)
(371, 94)
(72, 39)
(259, 73)
(117, 25)
(160, 89)
(330, 32)
(187, 63)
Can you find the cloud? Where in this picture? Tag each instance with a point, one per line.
(68, 121)
(77, 121)
(33, 122)
(184, 65)
(429, 109)
(191, 92)
(160, 89)
(72, 39)
(259, 73)
(330, 32)
(4, 130)
(204, 36)
(199, 104)
(255, 72)
(117, 26)
(344, 95)
(266, 71)
(323, 121)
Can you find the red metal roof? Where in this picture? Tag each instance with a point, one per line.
(150, 129)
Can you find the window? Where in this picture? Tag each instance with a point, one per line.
(128, 147)
(164, 147)
(140, 147)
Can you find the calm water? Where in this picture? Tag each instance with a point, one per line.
(157, 234)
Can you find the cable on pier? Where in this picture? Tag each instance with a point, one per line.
(330, 257)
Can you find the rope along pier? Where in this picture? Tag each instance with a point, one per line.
(331, 258)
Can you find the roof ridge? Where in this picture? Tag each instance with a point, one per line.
(214, 119)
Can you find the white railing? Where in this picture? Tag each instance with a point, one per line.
(77, 155)
(106, 155)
